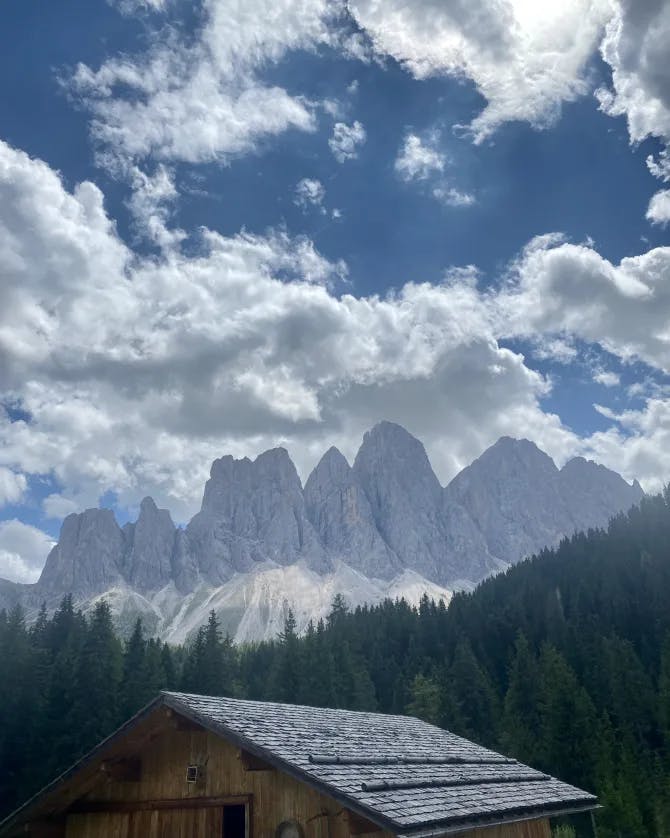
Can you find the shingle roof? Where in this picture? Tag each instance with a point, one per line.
(406, 775)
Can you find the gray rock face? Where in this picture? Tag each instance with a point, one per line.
(149, 548)
(252, 512)
(405, 497)
(88, 557)
(592, 491)
(519, 501)
(385, 515)
(340, 512)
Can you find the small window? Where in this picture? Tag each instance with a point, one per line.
(234, 821)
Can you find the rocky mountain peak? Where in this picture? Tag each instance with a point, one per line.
(379, 523)
(88, 554)
(517, 457)
(340, 512)
(389, 453)
(252, 512)
(405, 497)
(149, 548)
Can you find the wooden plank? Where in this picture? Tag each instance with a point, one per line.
(361, 826)
(253, 763)
(118, 806)
(128, 770)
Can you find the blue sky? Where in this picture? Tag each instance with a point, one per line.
(229, 226)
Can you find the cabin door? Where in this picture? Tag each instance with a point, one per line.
(209, 822)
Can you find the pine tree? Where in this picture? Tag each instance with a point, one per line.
(133, 684)
(474, 694)
(521, 721)
(425, 699)
(97, 679)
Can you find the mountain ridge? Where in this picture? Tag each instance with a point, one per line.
(370, 523)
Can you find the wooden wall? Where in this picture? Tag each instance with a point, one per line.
(275, 796)
(157, 802)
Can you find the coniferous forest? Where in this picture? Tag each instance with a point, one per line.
(562, 662)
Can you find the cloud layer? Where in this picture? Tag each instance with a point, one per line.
(136, 373)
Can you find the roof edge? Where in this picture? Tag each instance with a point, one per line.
(437, 831)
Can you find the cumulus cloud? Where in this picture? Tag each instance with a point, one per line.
(346, 139)
(636, 48)
(310, 193)
(23, 551)
(638, 443)
(203, 101)
(526, 58)
(560, 288)
(12, 486)
(418, 160)
(607, 378)
(658, 211)
(136, 373)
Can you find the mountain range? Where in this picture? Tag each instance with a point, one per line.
(383, 526)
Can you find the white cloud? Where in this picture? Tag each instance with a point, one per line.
(23, 551)
(454, 197)
(310, 193)
(418, 160)
(525, 57)
(129, 7)
(636, 48)
(660, 167)
(658, 211)
(150, 205)
(637, 445)
(556, 288)
(12, 486)
(203, 101)
(346, 139)
(607, 378)
(136, 373)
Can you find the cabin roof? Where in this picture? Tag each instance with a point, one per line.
(409, 777)
(406, 775)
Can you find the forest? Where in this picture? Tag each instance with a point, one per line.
(563, 662)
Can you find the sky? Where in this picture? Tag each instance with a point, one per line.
(226, 226)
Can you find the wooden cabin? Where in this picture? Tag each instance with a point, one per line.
(190, 766)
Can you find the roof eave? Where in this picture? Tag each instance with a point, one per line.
(439, 829)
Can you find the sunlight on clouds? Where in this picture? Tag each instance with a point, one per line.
(525, 58)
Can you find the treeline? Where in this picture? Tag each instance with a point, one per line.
(562, 662)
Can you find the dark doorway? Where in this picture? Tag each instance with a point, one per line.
(234, 821)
